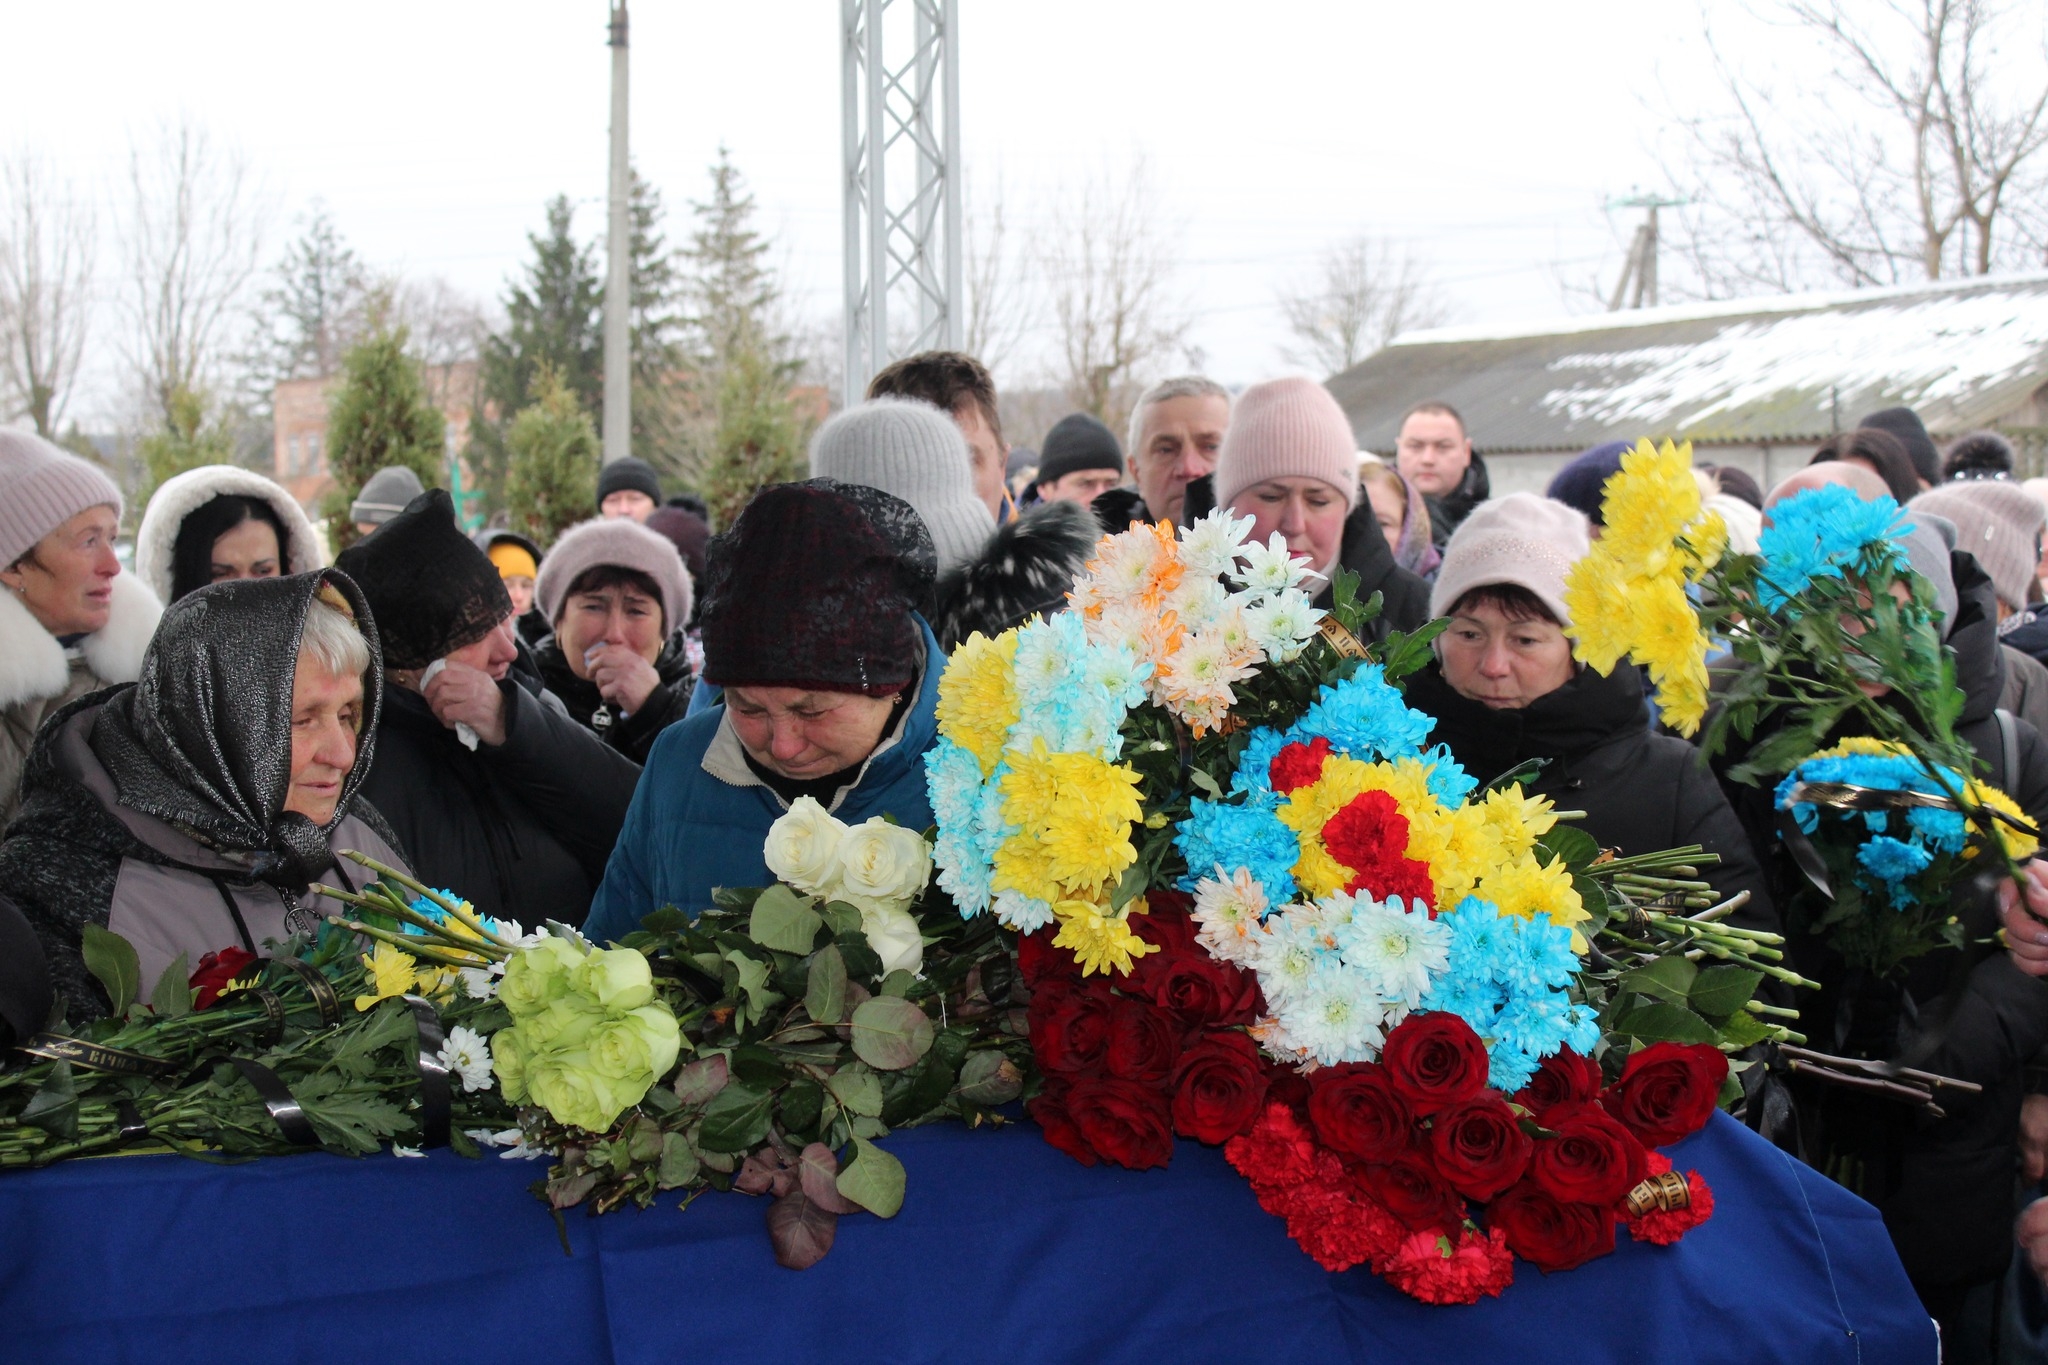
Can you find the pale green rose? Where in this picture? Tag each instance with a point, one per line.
(664, 1037)
(883, 864)
(508, 1060)
(574, 1092)
(617, 978)
(893, 934)
(801, 847)
(644, 1043)
(567, 1022)
(534, 976)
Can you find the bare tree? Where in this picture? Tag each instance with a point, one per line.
(1915, 155)
(997, 306)
(1108, 267)
(194, 231)
(46, 264)
(1365, 292)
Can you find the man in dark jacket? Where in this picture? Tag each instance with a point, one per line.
(496, 793)
(1435, 454)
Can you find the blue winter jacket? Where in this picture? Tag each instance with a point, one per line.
(691, 829)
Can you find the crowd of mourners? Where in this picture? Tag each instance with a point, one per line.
(590, 730)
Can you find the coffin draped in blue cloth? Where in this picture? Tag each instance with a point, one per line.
(1004, 1250)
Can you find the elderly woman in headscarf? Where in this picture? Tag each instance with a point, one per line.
(831, 683)
(190, 811)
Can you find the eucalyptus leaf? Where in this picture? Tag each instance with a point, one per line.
(873, 1179)
(784, 921)
(825, 995)
(890, 1033)
(111, 960)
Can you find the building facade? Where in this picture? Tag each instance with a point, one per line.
(299, 415)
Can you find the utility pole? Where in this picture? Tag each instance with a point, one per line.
(618, 280)
(900, 129)
(1640, 270)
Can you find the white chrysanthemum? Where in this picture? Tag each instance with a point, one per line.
(1122, 564)
(481, 983)
(1335, 1017)
(1272, 1035)
(1209, 548)
(1397, 950)
(1202, 670)
(1123, 623)
(1025, 914)
(1284, 623)
(1270, 567)
(1325, 919)
(1040, 667)
(1285, 959)
(1197, 602)
(1116, 671)
(468, 1056)
(1234, 628)
(1229, 912)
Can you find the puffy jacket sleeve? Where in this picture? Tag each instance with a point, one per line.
(575, 782)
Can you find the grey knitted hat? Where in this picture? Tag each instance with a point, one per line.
(385, 494)
(912, 450)
(2000, 523)
(629, 545)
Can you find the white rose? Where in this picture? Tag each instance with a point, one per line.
(882, 863)
(803, 847)
(894, 936)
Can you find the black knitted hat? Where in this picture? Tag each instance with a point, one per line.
(430, 588)
(1077, 441)
(1905, 424)
(816, 586)
(628, 474)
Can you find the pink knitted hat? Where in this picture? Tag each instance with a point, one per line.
(1287, 428)
(1522, 539)
(629, 545)
(42, 486)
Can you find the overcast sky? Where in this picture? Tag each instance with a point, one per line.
(1487, 135)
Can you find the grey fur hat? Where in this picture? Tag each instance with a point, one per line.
(913, 451)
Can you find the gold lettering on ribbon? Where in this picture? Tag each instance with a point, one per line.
(1664, 1192)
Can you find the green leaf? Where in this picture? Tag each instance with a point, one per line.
(702, 1079)
(930, 1082)
(1660, 1023)
(890, 1033)
(173, 994)
(1724, 989)
(872, 1179)
(1743, 1029)
(678, 1163)
(865, 1127)
(1574, 845)
(112, 962)
(842, 918)
(1206, 783)
(736, 1119)
(897, 982)
(757, 1066)
(989, 1077)
(802, 1104)
(1668, 979)
(54, 1106)
(752, 981)
(857, 1089)
(818, 1171)
(825, 993)
(784, 921)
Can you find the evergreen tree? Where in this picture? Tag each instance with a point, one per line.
(731, 292)
(555, 316)
(315, 308)
(659, 357)
(380, 416)
(189, 438)
(551, 481)
(759, 439)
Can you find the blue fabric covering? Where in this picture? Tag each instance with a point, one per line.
(1004, 1250)
(688, 832)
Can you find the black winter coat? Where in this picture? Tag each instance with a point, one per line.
(1641, 791)
(1944, 1185)
(1447, 511)
(1404, 598)
(1026, 567)
(523, 831)
(631, 735)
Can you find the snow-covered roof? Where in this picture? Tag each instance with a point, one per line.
(1765, 371)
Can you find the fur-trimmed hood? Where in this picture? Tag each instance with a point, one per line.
(183, 494)
(32, 662)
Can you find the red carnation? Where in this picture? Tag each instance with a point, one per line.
(1667, 1091)
(1298, 765)
(1070, 1028)
(1550, 1235)
(1422, 1268)
(1277, 1152)
(1342, 1227)
(1660, 1228)
(1219, 1088)
(1480, 1148)
(1123, 1123)
(1370, 836)
(1592, 1160)
(1357, 1111)
(1413, 1193)
(1050, 1112)
(214, 972)
(1143, 1042)
(1434, 1060)
(1564, 1077)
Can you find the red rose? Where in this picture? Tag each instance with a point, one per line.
(1070, 1028)
(1564, 1077)
(1547, 1234)
(1667, 1091)
(1166, 924)
(1592, 1160)
(1218, 1088)
(1434, 1060)
(1357, 1111)
(214, 972)
(1413, 1193)
(1370, 836)
(1286, 1086)
(1050, 1111)
(1480, 1147)
(1123, 1123)
(1039, 963)
(1143, 1043)
(1298, 765)
(1201, 992)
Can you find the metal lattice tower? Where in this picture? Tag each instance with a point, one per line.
(901, 131)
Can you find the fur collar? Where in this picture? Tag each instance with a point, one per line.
(183, 494)
(32, 662)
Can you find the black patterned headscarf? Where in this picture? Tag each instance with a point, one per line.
(203, 739)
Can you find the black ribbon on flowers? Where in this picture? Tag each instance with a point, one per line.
(1804, 855)
(317, 986)
(273, 1012)
(278, 1101)
(436, 1095)
(130, 1119)
(119, 1061)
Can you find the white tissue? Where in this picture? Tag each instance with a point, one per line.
(462, 731)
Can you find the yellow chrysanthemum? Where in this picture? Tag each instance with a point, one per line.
(391, 972)
(1518, 820)
(1650, 503)
(2018, 842)
(1073, 814)
(1865, 746)
(1596, 593)
(1707, 539)
(978, 696)
(1528, 888)
(1100, 940)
